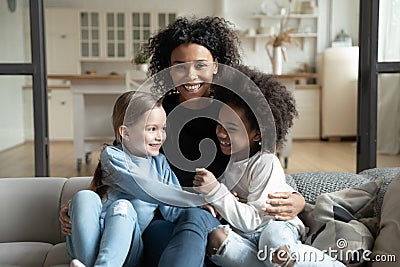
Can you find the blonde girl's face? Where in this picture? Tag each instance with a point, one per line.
(235, 134)
(145, 137)
(192, 70)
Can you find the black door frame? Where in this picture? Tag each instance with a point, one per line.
(37, 69)
(369, 70)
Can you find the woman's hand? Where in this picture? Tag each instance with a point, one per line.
(204, 181)
(64, 219)
(284, 205)
(212, 210)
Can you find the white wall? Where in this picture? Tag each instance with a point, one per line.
(183, 7)
(12, 51)
(344, 15)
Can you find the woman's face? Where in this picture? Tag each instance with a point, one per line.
(192, 70)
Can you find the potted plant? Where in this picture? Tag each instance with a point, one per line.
(141, 61)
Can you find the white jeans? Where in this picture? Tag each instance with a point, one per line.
(256, 249)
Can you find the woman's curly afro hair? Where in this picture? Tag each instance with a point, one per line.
(214, 33)
(280, 100)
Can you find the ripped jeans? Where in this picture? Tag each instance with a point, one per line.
(111, 238)
(238, 250)
(278, 233)
(256, 249)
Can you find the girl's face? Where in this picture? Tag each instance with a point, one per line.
(192, 79)
(236, 136)
(145, 137)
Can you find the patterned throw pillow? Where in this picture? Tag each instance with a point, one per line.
(334, 224)
(386, 252)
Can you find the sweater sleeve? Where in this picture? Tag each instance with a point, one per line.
(266, 176)
(153, 183)
(170, 213)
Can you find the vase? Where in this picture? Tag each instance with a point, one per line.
(142, 67)
(277, 60)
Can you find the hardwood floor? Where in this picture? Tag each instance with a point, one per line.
(306, 156)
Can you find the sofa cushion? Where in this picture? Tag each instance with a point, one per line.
(387, 175)
(24, 254)
(57, 256)
(30, 209)
(313, 184)
(290, 181)
(387, 242)
(333, 222)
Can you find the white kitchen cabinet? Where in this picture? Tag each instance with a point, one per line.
(90, 34)
(141, 29)
(307, 125)
(62, 41)
(117, 36)
(116, 32)
(60, 114)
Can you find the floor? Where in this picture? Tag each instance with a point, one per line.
(306, 156)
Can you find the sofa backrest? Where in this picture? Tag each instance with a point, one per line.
(29, 207)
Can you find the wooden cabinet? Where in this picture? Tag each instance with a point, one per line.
(62, 41)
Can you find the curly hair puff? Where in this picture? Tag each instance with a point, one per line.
(279, 98)
(214, 33)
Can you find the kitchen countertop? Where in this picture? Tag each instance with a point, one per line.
(121, 77)
(117, 77)
(296, 75)
(86, 77)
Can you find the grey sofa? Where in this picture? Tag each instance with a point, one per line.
(30, 233)
(29, 229)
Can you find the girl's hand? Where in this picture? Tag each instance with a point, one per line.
(64, 219)
(204, 181)
(284, 206)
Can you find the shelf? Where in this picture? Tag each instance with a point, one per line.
(292, 16)
(307, 86)
(294, 35)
